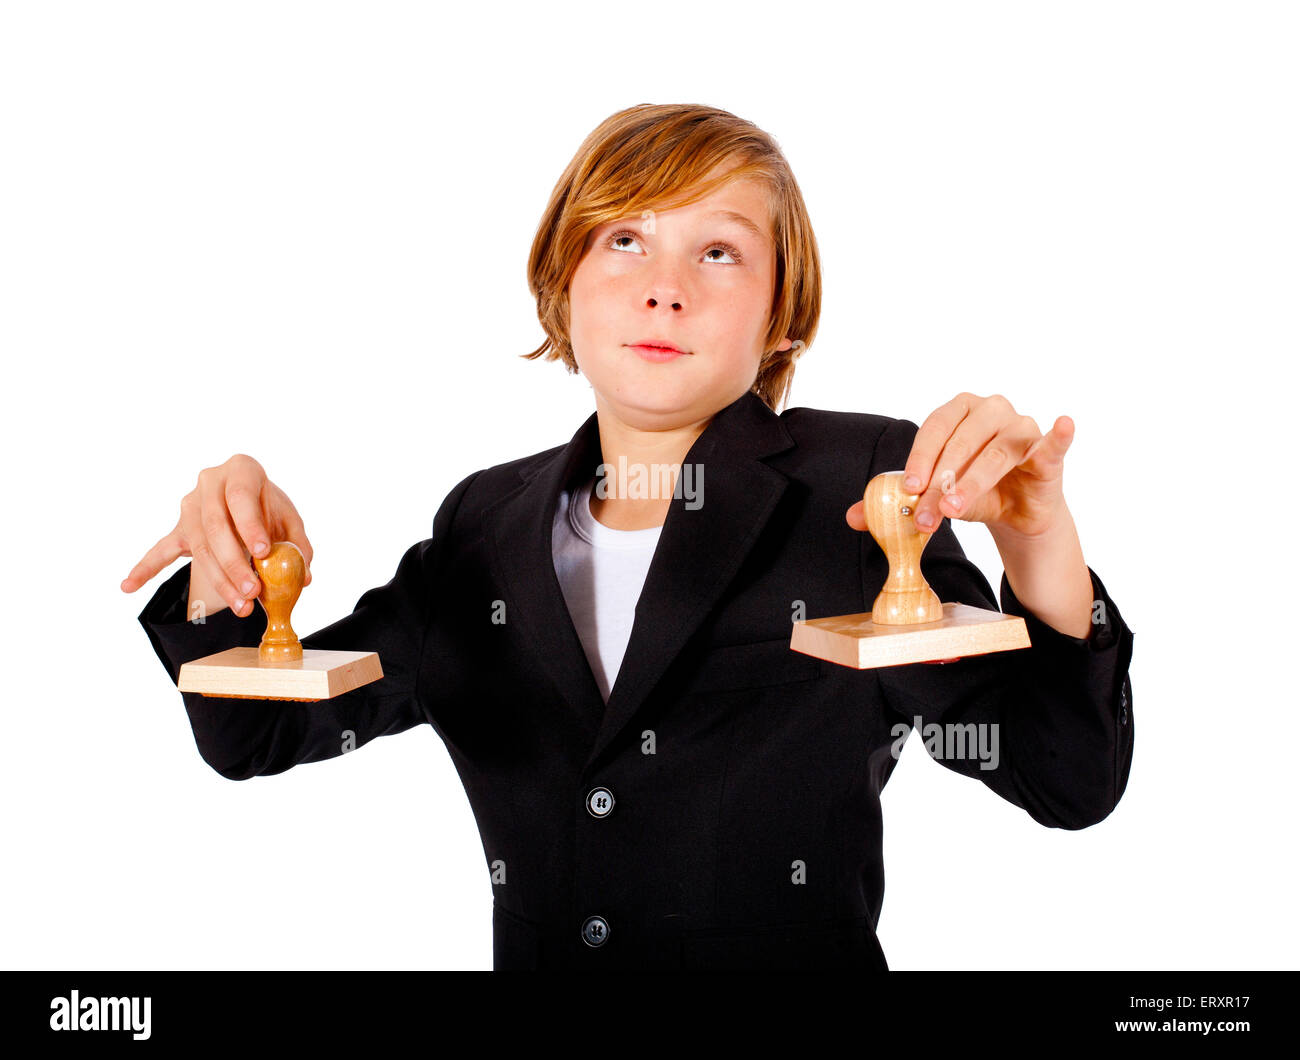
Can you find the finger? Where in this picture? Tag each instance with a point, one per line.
(963, 445)
(163, 553)
(204, 562)
(297, 533)
(1048, 455)
(225, 562)
(1006, 450)
(930, 439)
(243, 497)
(854, 516)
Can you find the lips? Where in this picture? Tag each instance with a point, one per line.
(658, 344)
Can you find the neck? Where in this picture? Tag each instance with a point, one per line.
(641, 470)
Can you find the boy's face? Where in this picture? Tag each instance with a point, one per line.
(691, 277)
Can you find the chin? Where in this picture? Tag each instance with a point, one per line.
(684, 407)
(645, 403)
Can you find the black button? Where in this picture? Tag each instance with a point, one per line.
(600, 801)
(595, 931)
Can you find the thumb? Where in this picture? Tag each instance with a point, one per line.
(855, 517)
(1051, 448)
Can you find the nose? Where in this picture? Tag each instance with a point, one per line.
(666, 289)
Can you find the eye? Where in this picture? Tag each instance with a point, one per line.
(617, 236)
(736, 259)
(727, 249)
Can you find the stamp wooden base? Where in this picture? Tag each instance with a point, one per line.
(857, 641)
(238, 673)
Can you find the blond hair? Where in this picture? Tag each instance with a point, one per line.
(657, 157)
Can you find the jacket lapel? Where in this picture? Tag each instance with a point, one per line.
(700, 550)
(517, 531)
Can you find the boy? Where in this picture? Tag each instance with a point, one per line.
(658, 780)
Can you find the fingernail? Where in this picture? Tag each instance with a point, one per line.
(911, 483)
(954, 501)
(237, 606)
(925, 520)
(259, 548)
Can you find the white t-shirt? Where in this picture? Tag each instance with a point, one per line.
(601, 572)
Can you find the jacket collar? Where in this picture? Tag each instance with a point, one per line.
(700, 550)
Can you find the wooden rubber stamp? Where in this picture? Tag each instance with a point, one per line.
(907, 623)
(280, 667)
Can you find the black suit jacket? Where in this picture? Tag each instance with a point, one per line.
(739, 825)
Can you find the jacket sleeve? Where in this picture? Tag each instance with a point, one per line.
(243, 738)
(1049, 727)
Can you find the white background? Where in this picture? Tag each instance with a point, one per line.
(300, 231)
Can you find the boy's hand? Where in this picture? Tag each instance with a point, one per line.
(979, 460)
(233, 514)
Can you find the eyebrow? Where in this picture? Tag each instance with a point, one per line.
(740, 219)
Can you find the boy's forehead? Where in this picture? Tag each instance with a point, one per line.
(745, 203)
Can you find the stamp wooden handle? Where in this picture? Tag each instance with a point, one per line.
(282, 571)
(889, 510)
